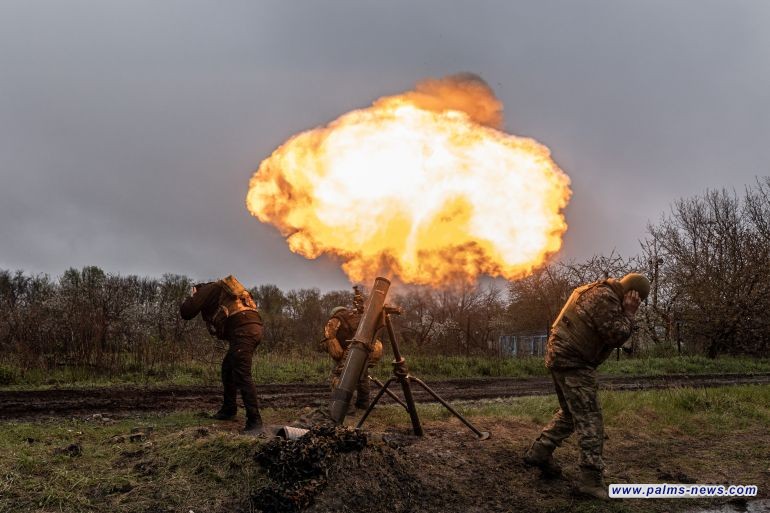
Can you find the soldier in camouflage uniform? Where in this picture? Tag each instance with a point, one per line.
(597, 318)
(338, 332)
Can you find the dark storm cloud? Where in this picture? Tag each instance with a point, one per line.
(129, 130)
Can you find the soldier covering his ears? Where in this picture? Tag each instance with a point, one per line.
(231, 314)
(597, 318)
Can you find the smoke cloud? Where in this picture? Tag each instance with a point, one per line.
(465, 92)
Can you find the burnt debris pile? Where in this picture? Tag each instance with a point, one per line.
(298, 469)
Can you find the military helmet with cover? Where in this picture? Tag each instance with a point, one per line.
(338, 309)
(637, 282)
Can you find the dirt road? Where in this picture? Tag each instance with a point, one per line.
(57, 402)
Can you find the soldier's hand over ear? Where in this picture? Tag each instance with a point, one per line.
(631, 302)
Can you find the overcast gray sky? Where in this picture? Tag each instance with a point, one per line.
(129, 130)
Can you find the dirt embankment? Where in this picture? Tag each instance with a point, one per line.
(447, 471)
(335, 469)
(37, 403)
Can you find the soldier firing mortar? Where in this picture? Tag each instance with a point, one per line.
(338, 333)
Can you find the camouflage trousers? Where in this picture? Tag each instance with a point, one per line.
(363, 389)
(579, 411)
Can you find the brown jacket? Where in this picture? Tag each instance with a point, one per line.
(206, 302)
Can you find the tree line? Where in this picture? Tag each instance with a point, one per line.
(708, 259)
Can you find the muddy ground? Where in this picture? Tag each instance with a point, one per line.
(55, 402)
(449, 471)
(181, 462)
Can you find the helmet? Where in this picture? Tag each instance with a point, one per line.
(337, 309)
(637, 282)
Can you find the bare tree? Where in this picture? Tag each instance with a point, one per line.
(715, 258)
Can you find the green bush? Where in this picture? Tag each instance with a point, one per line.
(8, 375)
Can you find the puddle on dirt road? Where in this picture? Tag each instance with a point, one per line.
(752, 506)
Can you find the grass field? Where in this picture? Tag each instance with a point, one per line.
(183, 462)
(314, 368)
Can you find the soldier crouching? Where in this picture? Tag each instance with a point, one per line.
(231, 314)
(597, 318)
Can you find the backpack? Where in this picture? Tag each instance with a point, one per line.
(233, 299)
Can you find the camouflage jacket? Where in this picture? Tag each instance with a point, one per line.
(330, 344)
(337, 335)
(338, 331)
(590, 326)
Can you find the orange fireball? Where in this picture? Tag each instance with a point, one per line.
(420, 187)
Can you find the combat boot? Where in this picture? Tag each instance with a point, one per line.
(362, 405)
(224, 414)
(591, 484)
(253, 426)
(540, 455)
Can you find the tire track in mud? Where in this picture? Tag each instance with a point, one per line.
(58, 402)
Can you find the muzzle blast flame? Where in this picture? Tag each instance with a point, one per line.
(422, 186)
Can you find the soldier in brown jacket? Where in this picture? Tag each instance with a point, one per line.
(597, 318)
(231, 314)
